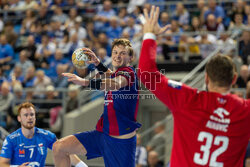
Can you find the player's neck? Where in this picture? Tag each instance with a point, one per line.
(217, 89)
(28, 133)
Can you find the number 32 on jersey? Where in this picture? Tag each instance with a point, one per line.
(202, 158)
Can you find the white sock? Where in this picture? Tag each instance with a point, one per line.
(81, 164)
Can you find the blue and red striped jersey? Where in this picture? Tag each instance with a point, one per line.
(120, 107)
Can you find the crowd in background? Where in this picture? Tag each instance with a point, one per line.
(38, 38)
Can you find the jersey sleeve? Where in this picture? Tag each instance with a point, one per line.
(173, 94)
(51, 139)
(7, 148)
(127, 73)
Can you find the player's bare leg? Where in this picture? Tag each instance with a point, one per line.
(64, 147)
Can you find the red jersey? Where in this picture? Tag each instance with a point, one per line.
(210, 129)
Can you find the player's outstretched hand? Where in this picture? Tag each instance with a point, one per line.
(76, 79)
(93, 58)
(151, 22)
(24, 165)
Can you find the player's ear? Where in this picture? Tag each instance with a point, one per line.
(234, 78)
(19, 118)
(206, 79)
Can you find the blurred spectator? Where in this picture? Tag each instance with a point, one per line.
(16, 74)
(238, 8)
(40, 84)
(164, 19)
(206, 43)
(212, 25)
(11, 35)
(75, 43)
(27, 4)
(132, 28)
(227, 43)
(133, 4)
(216, 10)
(29, 46)
(6, 99)
(103, 16)
(153, 159)
(78, 29)
(60, 81)
(113, 30)
(243, 78)
(6, 53)
(58, 59)
(122, 17)
(103, 41)
(50, 96)
(157, 143)
(28, 21)
(141, 153)
(201, 9)
(19, 94)
(70, 22)
(23, 62)
(2, 77)
(44, 52)
(29, 78)
(237, 24)
(181, 15)
(43, 15)
(64, 45)
(244, 46)
(59, 15)
(56, 31)
(196, 25)
(72, 99)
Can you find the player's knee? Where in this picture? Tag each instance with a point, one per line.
(57, 147)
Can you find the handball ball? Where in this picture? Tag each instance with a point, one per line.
(79, 58)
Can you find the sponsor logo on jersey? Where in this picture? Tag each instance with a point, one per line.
(21, 151)
(218, 121)
(174, 84)
(22, 144)
(221, 100)
(2, 152)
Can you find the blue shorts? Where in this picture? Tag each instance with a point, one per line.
(115, 152)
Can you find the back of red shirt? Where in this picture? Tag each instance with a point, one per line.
(210, 129)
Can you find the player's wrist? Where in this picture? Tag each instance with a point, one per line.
(102, 68)
(81, 164)
(149, 35)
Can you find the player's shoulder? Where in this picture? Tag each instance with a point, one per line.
(43, 132)
(15, 134)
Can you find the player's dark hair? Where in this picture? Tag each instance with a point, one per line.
(124, 42)
(221, 69)
(24, 105)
